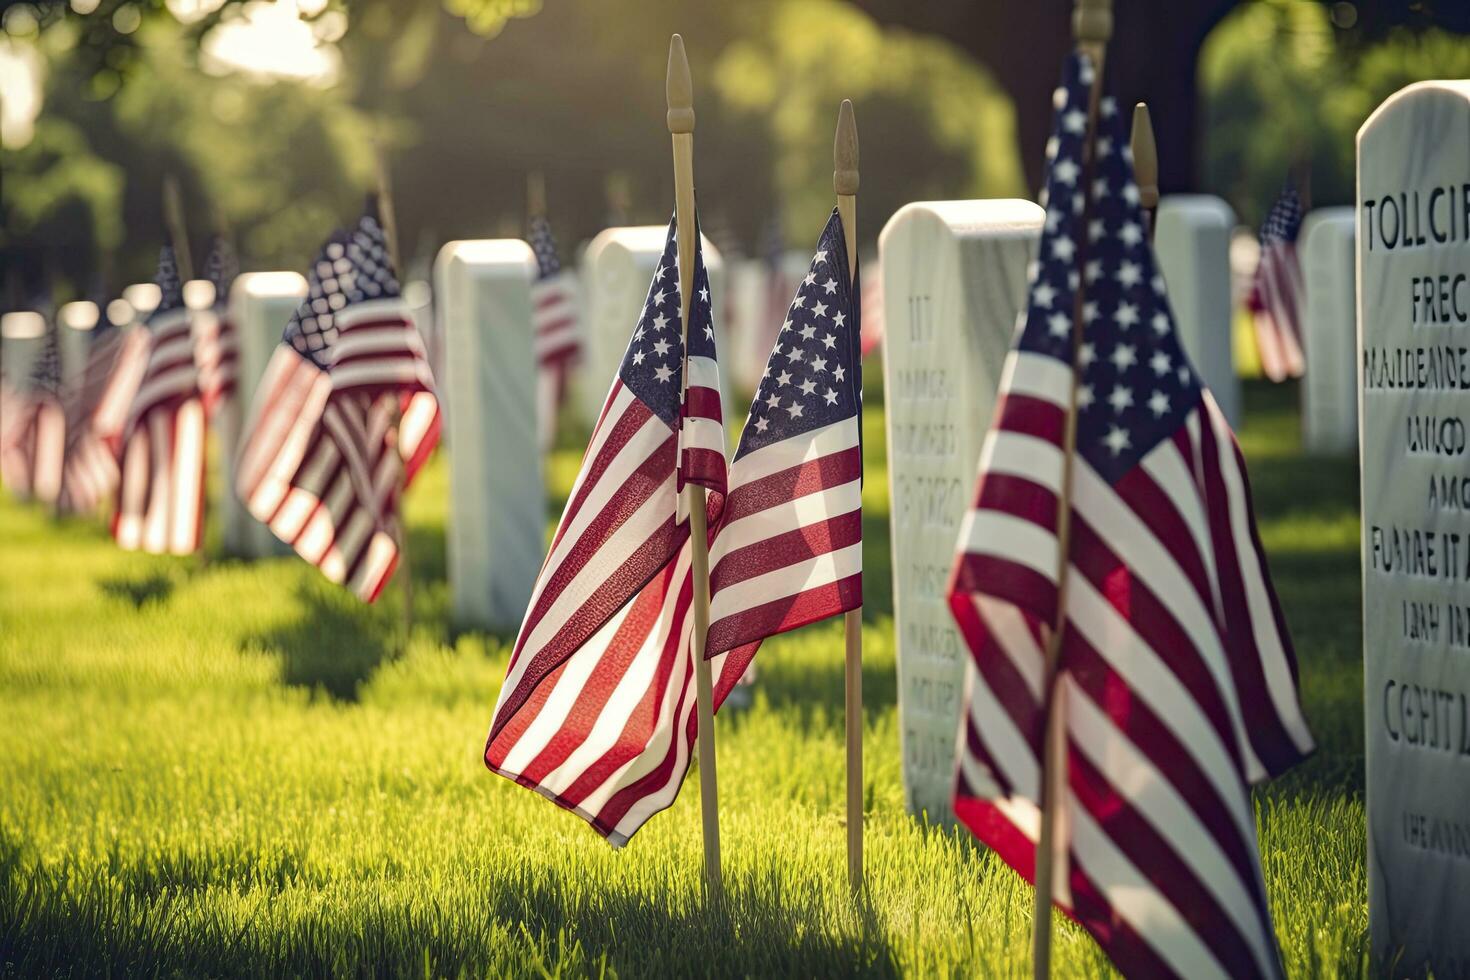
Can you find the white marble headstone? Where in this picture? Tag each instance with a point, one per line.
(497, 500)
(21, 336)
(620, 264)
(1192, 243)
(75, 323)
(1330, 385)
(261, 303)
(954, 280)
(1413, 248)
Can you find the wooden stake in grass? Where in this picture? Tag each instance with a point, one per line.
(389, 220)
(1092, 25)
(1145, 164)
(845, 182)
(681, 128)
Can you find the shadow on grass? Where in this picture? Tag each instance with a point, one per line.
(71, 921)
(154, 587)
(335, 645)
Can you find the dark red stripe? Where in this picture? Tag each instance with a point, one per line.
(1268, 736)
(784, 614)
(786, 485)
(1125, 947)
(787, 548)
(702, 403)
(998, 672)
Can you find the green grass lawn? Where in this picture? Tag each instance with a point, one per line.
(235, 768)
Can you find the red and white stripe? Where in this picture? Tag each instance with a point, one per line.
(557, 334)
(160, 501)
(32, 444)
(790, 545)
(1178, 690)
(216, 354)
(321, 465)
(1275, 305)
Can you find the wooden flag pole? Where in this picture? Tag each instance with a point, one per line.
(680, 91)
(173, 216)
(1092, 25)
(1145, 165)
(388, 218)
(845, 182)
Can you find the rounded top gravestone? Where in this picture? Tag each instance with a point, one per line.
(1413, 255)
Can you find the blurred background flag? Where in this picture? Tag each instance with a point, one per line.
(1177, 679)
(160, 507)
(90, 473)
(556, 327)
(321, 463)
(788, 550)
(215, 343)
(33, 439)
(597, 712)
(1275, 299)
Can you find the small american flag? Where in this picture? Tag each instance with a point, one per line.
(1276, 294)
(1177, 679)
(33, 441)
(320, 464)
(872, 310)
(215, 346)
(90, 474)
(556, 329)
(160, 500)
(789, 548)
(597, 710)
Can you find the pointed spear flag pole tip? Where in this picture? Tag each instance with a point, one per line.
(1145, 158)
(679, 89)
(845, 179)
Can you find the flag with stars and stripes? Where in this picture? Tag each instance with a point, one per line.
(597, 712)
(215, 346)
(1177, 683)
(789, 548)
(160, 496)
(90, 473)
(33, 439)
(556, 329)
(1277, 292)
(344, 417)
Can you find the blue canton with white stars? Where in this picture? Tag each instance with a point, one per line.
(170, 287)
(548, 262)
(653, 367)
(814, 375)
(1135, 385)
(1284, 220)
(352, 267)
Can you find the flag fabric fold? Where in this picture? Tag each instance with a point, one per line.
(788, 550)
(215, 346)
(160, 498)
(344, 417)
(1177, 678)
(597, 712)
(90, 473)
(1277, 292)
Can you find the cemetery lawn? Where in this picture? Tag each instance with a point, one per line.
(236, 769)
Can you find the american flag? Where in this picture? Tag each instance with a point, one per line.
(872, 310)
(33, 440)
(1276, 294)
(556, 328)
(789, 548)
(160, 499)
(1177, 678)
(320, 464)
(90, 474)
(597, 712)
(215, 346)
